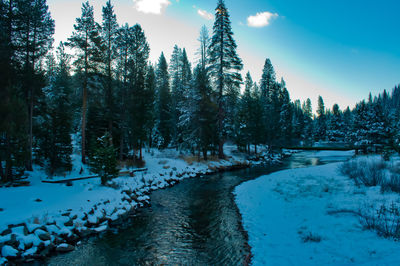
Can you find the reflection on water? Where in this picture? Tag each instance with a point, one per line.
(193, 223)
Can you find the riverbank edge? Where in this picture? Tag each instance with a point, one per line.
(25, 242)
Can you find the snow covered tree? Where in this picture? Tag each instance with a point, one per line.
(32, 39)
(297, 121)
(320, 129)
(285, 115)
(150, 85)
(202, 119)
(224, 65)
(308, 122)
(86, 41)
(256, 116)
(243, 120)
(56, 123)
(180, 71)
(267, 87)
(163, 104)
(103, 162)
(335, 127)
(13, 108)
(204, 40)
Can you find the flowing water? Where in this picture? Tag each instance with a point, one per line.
(193, 223)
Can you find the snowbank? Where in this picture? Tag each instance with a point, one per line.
(43, 218)
(307, 216)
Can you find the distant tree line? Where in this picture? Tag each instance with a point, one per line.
(111, 100)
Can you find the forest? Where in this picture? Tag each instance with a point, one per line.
(108, 97)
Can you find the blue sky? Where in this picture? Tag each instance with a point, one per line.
(338, 49)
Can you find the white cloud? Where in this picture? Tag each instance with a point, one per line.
(261, 19)
(204, 14)
(151, 6)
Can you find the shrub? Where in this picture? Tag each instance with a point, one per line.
(311, 237)
(385, 221)
(365, 171)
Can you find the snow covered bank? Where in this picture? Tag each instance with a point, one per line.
(309, 216)
(42, 218)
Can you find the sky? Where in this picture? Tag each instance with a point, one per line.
(341, 49)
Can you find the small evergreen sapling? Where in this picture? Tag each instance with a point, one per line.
(104, 161)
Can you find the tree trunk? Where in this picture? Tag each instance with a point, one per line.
(140, 151)
(84, 105)
(30, 135)
(255, 149)
(205, 154)
(84, 101)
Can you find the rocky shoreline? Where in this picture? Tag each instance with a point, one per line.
(31, 241)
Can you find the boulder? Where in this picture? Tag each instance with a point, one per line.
(64, 247)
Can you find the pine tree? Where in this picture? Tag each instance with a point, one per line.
(256, 116)
(13, 109)
(150, 98)
(56, 126)
(335, 130)
(308, 122)
(124, 41)
(202, 118)
(86, 41)
(267, 87)
(204, 40)
(109, 32)
(180, 71)
(320, 133)
(243, 120)
(298, 121)
(141, 98)
(34, 29)
(285, 115)
(104, 162)
(163, 104)
(224, 64)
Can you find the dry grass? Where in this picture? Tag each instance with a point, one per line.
(129, 163)
(373, 173)
(190, 159)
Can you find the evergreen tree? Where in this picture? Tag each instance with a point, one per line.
(104, 162)
(33, 37)
(180, 71)
(86, 41)
(150, 98)
(308, 122)
(243, 120)
(285, 115)
(298, 121)
(13, 109)
(55, 143)
(320, 132)
(109, 32)
(224, 64)
(204, 40)
(141, 98)
(124, 41)
(202, 119)
(256, 122)
(268, 98)
(163, 104)
(335, 126)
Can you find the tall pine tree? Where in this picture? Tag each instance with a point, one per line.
(224, 64)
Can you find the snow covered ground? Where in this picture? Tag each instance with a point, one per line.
(306, 216)
(56, 215)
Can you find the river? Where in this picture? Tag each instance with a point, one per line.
(195, 222)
